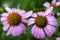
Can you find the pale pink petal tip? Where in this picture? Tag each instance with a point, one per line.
(3, 18)
(31, 21)
(53, 1)
(58, 4)
(34, 15)
(58, 38)
(47, 4)
(41, 13)
(4, 14)
(28, 14)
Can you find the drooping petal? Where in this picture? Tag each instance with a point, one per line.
(36, 32)
(31, 21)
(3, 18)
(41, 33)
(53, 23)
(48, 10)
(23, 28)
(5, 28)
(51, 18)
(53, 1)
(9, 31)
(50, 30)
(28, 14)
(4, 14)
(47, 4)
(5, 23)
(18, 30)
(58, 4)
(33, 30)
(14, 32)
(34, 15)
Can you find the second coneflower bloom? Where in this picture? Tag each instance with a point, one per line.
(58, 38)
(44, 23)
(53, 4)
(13, 21)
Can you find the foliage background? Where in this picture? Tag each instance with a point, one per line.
(27, 5)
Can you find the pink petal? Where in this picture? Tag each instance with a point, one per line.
(5, 23)
(9, 31)
(51, 18)
(58, 4)
(14, 32)
(34, 15)
(53, 23)
(48, 10)
(47, 4)
(23, 27)
(58, 38)
(24, 20)
(18, 30)
(33, 30)
(41, 13)
(5, 28)
(49, 30)
(41, 33)
(36, 32)
(21, 12)
(31, 21)
(4, 14)
(28, 14)
(3, 18)
(53, 1)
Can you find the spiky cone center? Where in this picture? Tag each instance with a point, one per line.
(41, 21)
(53, 5)
(14, 19)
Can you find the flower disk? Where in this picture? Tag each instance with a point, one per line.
(53, 5)
(14, 19)
(41, 21)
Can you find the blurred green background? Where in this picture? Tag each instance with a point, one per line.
(27, 5)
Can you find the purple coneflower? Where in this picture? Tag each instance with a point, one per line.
(13, 21)
(44, 23)
(53, 4)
